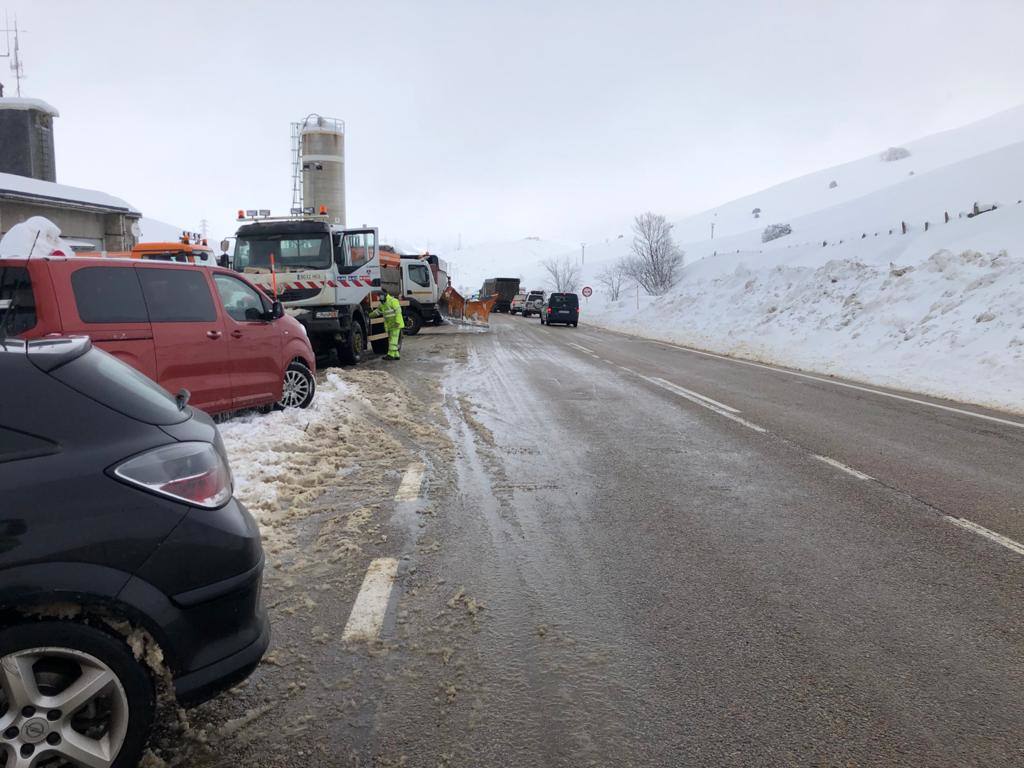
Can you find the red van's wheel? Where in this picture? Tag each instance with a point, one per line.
(299, 387)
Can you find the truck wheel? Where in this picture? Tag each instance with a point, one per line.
(350, 351)
(82, 696)
(299, 387)
(413, 323)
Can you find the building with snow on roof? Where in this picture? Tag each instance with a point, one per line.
(91, 220)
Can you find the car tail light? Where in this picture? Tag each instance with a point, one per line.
(549, 310)
(194, 473)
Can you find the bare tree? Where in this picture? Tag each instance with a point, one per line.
(656, 258)
(612, 277)
(564, 273)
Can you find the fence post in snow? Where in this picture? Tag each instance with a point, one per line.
(904, 225)
(926, 226)
(947, 217)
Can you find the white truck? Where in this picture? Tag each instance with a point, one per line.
(326, 276)
(415, 281)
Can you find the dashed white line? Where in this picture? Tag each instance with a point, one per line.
(703, 402)
(998, 538)
(371, 604)
(409, 488)
(581, 348)
(904, 398)
(689, 392)
(842, 467)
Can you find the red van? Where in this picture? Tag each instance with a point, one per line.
(207, 330)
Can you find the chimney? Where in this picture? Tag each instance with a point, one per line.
(26, 138)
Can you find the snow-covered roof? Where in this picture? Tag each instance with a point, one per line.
(39, 104)
(24, 186)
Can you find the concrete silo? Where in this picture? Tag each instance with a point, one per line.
(322, 152)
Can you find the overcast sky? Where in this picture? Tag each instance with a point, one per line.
(501, 120)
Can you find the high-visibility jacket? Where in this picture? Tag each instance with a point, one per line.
(391, 311)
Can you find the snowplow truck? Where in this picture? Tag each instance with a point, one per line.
(413, 282)
(505, 288)
(325, 276)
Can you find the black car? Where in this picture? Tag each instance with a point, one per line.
(118, 530)
(561, 308)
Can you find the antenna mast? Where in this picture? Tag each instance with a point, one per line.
(14, 52)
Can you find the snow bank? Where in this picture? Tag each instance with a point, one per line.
(951, 326)
(32, 238)
(260, 446)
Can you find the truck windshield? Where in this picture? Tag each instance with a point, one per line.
(290, 253)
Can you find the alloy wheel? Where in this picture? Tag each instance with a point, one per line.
(61, 706)
(296, 389)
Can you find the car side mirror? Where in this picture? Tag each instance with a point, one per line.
(224, 245)
(276, 310)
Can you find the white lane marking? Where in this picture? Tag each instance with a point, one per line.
(702, 402)
(367, 615)
(690, 392)
(998, 538)
(904, 398)
(840, 466)
(409, 488)
(581, 348)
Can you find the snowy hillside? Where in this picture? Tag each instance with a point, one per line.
(812, 193)
(937, 310)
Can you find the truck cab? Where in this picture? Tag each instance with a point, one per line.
(412, 279)
(324, 275)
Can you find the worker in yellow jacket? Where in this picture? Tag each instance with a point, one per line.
(391, 311)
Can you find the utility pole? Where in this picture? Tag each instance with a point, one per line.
(583, 254)
(713, 226)
(14, 52)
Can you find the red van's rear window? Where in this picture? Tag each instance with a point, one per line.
(17, 301)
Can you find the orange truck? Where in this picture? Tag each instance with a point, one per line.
(190, 249)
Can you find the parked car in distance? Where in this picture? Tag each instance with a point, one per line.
(561, 308)
(534, 304)
(118, 522)
(204, 329)
(517, 304)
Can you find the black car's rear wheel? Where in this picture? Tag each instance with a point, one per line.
(71, 694)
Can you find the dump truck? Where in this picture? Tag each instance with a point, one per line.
(325, 275)
(505, 288)
(412, 281)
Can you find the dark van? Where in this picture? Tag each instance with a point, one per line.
(561, 308)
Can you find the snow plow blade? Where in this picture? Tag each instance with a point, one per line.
(455, 307)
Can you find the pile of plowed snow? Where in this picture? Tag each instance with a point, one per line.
(951, 326)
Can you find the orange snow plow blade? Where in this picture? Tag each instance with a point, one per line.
(455, 307)
(480, 311)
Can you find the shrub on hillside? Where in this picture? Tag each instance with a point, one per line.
(775, 231)
(894, 153)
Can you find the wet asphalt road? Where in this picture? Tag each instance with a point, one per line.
(650, 582)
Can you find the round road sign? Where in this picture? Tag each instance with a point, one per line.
(588, 291)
